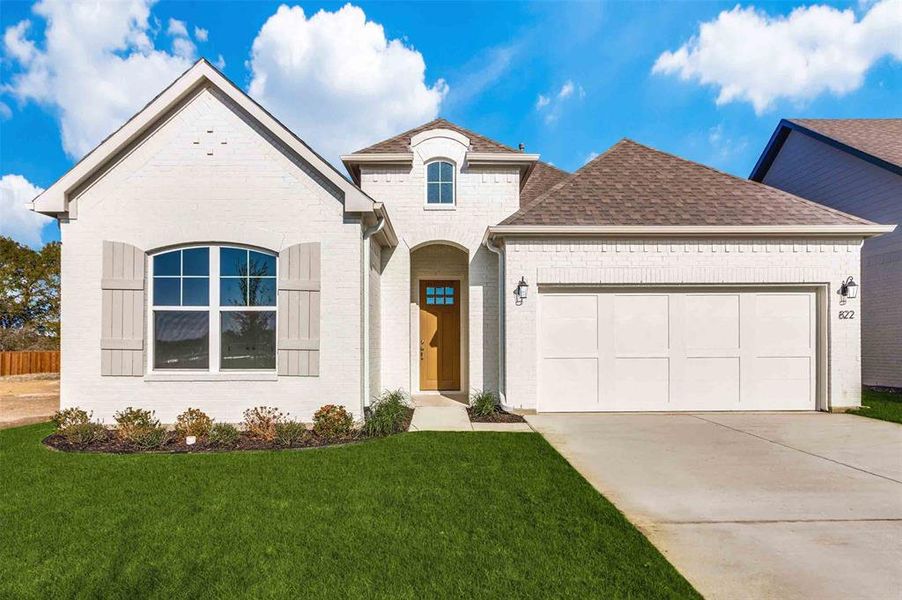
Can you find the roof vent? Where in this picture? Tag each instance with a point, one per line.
(522, 147)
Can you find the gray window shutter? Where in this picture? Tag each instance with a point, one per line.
(122, 321)
(299, 301)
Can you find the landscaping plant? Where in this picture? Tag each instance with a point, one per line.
(483, 403)
(332, 421)
(193, 422)
(290, 433)
(139, 427)
(76, 426)
(388, 414)
(224, 435)
(261, 422)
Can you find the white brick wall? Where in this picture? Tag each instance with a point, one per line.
(713, 262)
(207, 176)
(484, 197)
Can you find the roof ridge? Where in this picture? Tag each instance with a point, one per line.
(406, 135)
(788, 195)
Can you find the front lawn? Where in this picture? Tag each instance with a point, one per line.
(415, 515)
(880, 405)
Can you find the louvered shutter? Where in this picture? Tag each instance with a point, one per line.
(299, 308)
(122, 318)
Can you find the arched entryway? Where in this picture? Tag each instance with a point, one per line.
(439, 290)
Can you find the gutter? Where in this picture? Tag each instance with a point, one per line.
(367, 234)
(858, 230)
(501, 379)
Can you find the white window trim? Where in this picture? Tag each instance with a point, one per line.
(436, 205)
(214, 310)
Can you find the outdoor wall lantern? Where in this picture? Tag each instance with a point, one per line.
(521, 290)
(848, 289)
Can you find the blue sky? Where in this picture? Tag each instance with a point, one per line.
(566, 79)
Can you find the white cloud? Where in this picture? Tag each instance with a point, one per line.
(95, 67)
(220, 62)
(201, 34)
(337, 81)
(16, 221)
(590, 157)
(552, 103)
(753, 57)
(177, 28)
(725, 147)
(5, 111)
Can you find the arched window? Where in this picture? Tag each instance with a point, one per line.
(213, 309)
(440, 183)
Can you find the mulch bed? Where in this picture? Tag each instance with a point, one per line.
(111, 444)
(499, 416)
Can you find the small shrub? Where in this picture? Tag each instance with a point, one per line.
(132, 423)
(483, 403)
(290, 433)
(224, 435)
(332, 421)
(68, 417)
(261, 421)
(151, 438)
(76, 427)
(388, 414)
(193, 422)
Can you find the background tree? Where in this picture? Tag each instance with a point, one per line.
(29, 296)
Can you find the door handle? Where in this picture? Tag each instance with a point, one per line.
(422, 348)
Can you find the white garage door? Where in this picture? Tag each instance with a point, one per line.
(680, 350)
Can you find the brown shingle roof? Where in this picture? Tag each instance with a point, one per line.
(401, 142)
(881, 138)
(542, 179)
(632, 184)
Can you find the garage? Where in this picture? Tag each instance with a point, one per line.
(683, 349)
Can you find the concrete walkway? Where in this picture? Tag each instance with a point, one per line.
(448, 412)
(752, 505)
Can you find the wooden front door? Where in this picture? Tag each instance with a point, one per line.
(439, 335)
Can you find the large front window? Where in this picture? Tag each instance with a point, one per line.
(214, 309)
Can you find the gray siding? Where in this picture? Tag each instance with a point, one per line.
(817, 171)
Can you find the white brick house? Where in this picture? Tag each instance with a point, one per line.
(212, 259)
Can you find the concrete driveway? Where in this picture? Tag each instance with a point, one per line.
(804, 505)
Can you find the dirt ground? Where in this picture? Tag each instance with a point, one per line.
(28, 399)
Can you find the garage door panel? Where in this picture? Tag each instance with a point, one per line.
(781, 382)
(641, 324)
(707, 383)
(640, 383)
(569, 326)
(569, 384)
(782, 323)
(711, 321)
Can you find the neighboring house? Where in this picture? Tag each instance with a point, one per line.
(212, 259)
(853, 165)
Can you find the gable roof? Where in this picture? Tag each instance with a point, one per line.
(543, 177)
(401, 142)
(635, 186)
(877, 141)
(54, 200)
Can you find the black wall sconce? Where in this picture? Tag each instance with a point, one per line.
(521, 290)
(848, 289)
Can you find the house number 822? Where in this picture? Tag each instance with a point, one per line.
(847, 314)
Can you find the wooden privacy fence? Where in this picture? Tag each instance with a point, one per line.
(25, 362)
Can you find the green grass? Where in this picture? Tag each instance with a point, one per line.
(880, 405)
(416, 515)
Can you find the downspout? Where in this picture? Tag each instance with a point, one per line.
(367, 234)
(497, 250)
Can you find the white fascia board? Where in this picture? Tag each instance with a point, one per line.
(859, 231)
(395, 158)
(501, 158)
(54, 200)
